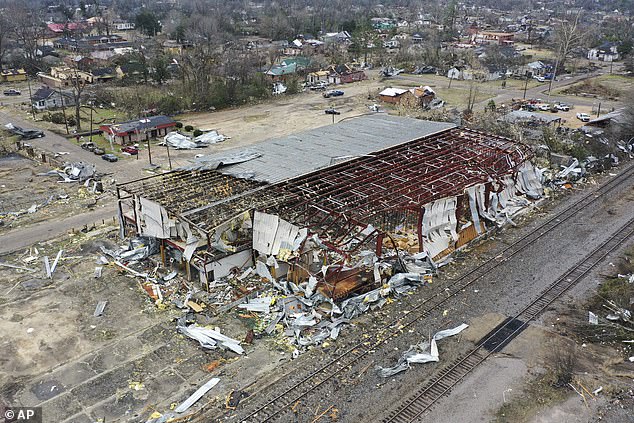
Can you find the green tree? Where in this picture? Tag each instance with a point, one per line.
(148, 23)
(160, 72)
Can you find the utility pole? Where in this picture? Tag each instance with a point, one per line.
(61, 98)
(169, 159)
(31, 100)
(525, 84)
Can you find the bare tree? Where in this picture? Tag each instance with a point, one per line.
(78, 84)
(5, 31)
(27, 29)
(568, 36)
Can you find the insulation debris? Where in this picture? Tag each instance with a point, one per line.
(73, 172)
(209, 338)
(211, 137)
(424, 352)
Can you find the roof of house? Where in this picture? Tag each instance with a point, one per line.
(278, 70)
(303, 152)
(61, 27)
(42, 93)
(393, 92)
(151, 122)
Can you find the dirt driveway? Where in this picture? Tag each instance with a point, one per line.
(287, 114)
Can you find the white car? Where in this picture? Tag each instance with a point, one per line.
(540, 79)
(544, 107)
(583, 117)
(563, 107)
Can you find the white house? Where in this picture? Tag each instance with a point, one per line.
(455, 73)
(606, 52)
(121, 25)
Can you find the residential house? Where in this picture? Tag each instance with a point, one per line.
(318, 76)
(424, 95)
(337, 37)
(134, 131)
(104, 74)
(131, 70)
(46, 98)
(491, 37)
(123, 25)
(68, 27)
(281, 72)
(13, 75)
(398, 96)
(175, 47)
(417, 38)
(455, 73)
(606, 52)
(92, 43)
(345, 74)
(62, 76)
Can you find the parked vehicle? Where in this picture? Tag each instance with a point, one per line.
(110, 157)
(321, 85)
(333, 93)
(130, 150)
(12, 91)
(540, 79)
(98, 151)
(563, 107)
(583, 117)
(26, 134)
(332, 111)
(30, 134)
(544, 107)
(89, 146)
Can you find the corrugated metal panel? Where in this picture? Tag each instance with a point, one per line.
(297, 154)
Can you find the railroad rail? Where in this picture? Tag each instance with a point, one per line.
(297, 386)
(415, 406)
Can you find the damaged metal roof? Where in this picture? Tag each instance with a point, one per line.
(297, 154)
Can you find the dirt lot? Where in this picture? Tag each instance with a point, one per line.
(21, 188)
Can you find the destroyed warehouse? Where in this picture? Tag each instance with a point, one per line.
(334, 204)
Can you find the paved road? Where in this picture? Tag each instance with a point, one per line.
(123, 170)
(24, 237)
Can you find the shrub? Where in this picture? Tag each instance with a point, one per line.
(57, 118)
(197, 132)
(189, 128)
(70, 120)
(179, 125)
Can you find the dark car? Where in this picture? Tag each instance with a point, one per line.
(98, 151)
(12, 91)
(110, 157)
(30, 134)
(130, 150)
(90, 146)
(333, 93)
(332, 112)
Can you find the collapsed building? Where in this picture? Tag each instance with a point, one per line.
(330, 205)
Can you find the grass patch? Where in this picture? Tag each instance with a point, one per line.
(457, 97)
(610, 88)
(254, 118)
(538, 393)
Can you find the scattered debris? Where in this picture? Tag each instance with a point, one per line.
(209, 338)
(197, 395)
(423, 352)
(101, 306)
(234, 398)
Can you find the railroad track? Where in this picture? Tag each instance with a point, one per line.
(414, 407)
(296, 386)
